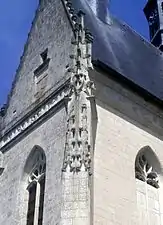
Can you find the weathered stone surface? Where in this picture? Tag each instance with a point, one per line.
(50, 136)
(126, 123)
(78, 149)
(51, 29)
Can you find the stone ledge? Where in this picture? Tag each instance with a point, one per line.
(35, 116)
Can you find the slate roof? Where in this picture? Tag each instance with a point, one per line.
(122, 49)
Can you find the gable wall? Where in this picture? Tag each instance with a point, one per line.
(51, 29)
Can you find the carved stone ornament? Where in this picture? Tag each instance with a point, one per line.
(39, 168)
(77, 147)
(32, 118)
(145, 172)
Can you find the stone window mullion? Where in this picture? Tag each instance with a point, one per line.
(37, 204)
(147, 203)
(148, 188)
(41, 200)
(36, 189)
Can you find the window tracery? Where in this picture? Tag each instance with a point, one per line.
(39, 167)
(147, 168)
(145, 172)
(36, 189)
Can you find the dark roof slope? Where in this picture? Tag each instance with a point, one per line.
(122, 49)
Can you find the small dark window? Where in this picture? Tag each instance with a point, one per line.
(44, 55)
(41, 74)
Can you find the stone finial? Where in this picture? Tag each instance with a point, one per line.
(77, 147)
(70, 11)
(81, 57)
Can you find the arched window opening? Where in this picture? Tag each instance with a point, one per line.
(36, 170)
(147, 168)
(144, 171)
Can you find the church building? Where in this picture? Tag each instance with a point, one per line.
(81, 134)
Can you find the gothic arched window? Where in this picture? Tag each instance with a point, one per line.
(147, 184)
(36, 170)
(144, 171)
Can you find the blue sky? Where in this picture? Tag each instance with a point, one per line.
(15, 21)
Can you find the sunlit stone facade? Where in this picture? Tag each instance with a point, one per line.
(81, 143)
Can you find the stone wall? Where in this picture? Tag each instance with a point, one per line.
(126, 123)
(50, 136)
(51, 29)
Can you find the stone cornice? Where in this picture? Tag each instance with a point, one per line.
(32, 118)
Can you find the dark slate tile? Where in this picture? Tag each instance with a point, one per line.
(125, 51)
